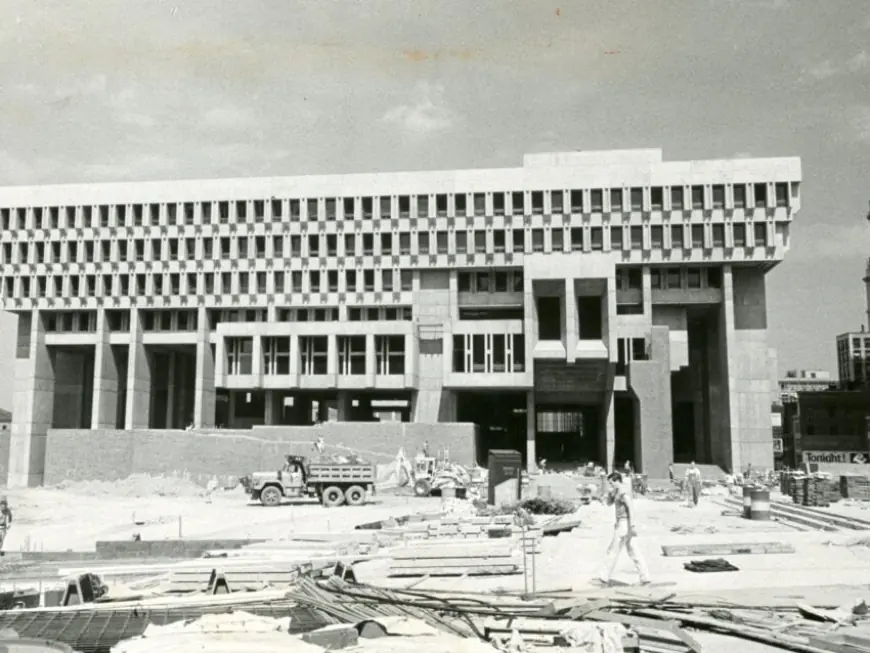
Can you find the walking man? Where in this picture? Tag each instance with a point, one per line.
(693, 481)
(624, 533)
(5, 521)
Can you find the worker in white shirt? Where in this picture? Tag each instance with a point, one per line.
(693, 484)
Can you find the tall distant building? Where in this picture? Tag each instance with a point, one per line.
(602, 306)
(853, 350)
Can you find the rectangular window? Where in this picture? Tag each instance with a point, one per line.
(519, 240)
(718, 235)
(677, 236)
(498, 203)
(423, 242)
(656, 198)
(656, 236)
(518, 201)
(479, 204)
(498, 240)
(637, 237)
(461, 242)
(576, 239)
(718, 197)
(597, 200)
(314, 354)
(576, 201)
(677, 199)
(556, 200)
(760, 234)
(760, 195)
(537, 240)
(697, 197)
(616, 199)
(480, 242)
(697, 236)
(537, 202)
(739, 235)
(558, 239)
(615, 238)
(352, 355)
(460, 204)
(637, 199)
(781, 190)
(596, 237)
(739, 191)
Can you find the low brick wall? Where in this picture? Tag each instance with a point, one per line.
(128, 549)
(77, 455)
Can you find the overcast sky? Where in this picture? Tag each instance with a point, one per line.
(102, 90)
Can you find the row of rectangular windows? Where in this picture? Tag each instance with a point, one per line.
(314, 355)
(614, 200)
(537, 240)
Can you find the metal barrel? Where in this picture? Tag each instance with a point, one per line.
(747, 501)
(760, 504)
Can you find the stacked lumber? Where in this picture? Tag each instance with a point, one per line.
(457, 558)
(855, 487)
(816, 491)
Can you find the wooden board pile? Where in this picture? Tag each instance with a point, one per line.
(453, 527)
(855, 487)
(816, 491)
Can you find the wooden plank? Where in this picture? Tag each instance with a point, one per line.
(458, 571)
(683, 550)
(455, 562)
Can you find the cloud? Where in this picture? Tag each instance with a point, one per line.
(428, 114)
(227, 118)
(853, 65)
(825, 241)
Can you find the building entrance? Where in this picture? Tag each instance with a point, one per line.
(566, 434)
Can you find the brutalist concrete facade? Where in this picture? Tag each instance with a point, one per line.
(587, 305)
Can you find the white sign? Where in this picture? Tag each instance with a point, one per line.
(777, 445)
(835, 457)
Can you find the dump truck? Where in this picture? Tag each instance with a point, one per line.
(333, 483)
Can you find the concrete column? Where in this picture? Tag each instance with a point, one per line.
(295, 360)
(332, 355)
(371, 360)
(138, 378)
(269, 401)
(33, 404)
(345, 406)
(531, 428)
(206, 371)
(257, 360)
(571, 324)
(232, 398)
(607, 428)
(171, 387)
(530, 321)
(322, 411)
(647, 292)
(104, 413)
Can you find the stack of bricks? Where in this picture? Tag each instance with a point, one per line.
(816, 491)
(855, 487)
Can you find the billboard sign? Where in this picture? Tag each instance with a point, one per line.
(836, 457)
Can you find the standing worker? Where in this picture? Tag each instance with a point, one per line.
(5, 522)
(693, 481)
(624, 533)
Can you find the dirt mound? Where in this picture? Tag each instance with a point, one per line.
(135, 487)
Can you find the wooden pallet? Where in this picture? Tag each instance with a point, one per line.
(684, 550)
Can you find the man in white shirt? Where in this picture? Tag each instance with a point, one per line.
(624, 533)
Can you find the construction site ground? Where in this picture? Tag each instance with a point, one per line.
(826, 568)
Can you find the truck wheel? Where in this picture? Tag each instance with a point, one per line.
(332, 496)
(422, 488)
(270, 496)
(355, 495)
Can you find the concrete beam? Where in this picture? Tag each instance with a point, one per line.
(204, 392)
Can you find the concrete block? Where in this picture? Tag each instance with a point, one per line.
(334, 637)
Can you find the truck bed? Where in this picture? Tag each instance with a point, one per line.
(340, 473)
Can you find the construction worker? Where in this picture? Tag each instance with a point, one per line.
(319, 445)
(424, 450)
(693, 484)
(5, 521)
(624, 533)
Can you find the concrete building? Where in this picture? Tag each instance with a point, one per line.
(606, 306)
(796, 381)
(832, 426)
(853, 360)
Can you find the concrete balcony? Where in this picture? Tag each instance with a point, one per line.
(486, 299)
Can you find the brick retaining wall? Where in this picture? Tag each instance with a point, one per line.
(77, 455)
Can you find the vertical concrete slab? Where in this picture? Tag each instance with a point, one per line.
(171, 389)
(432, 401)
(104, 414)
(138, 377)
(651, 383)
(206, 371)
(531, 433)
(751, 432)
(33, 404)
(345, 406)
(571, 326)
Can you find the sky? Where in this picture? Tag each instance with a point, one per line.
(101, 90)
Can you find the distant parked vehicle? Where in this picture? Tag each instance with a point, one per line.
(332, 483)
